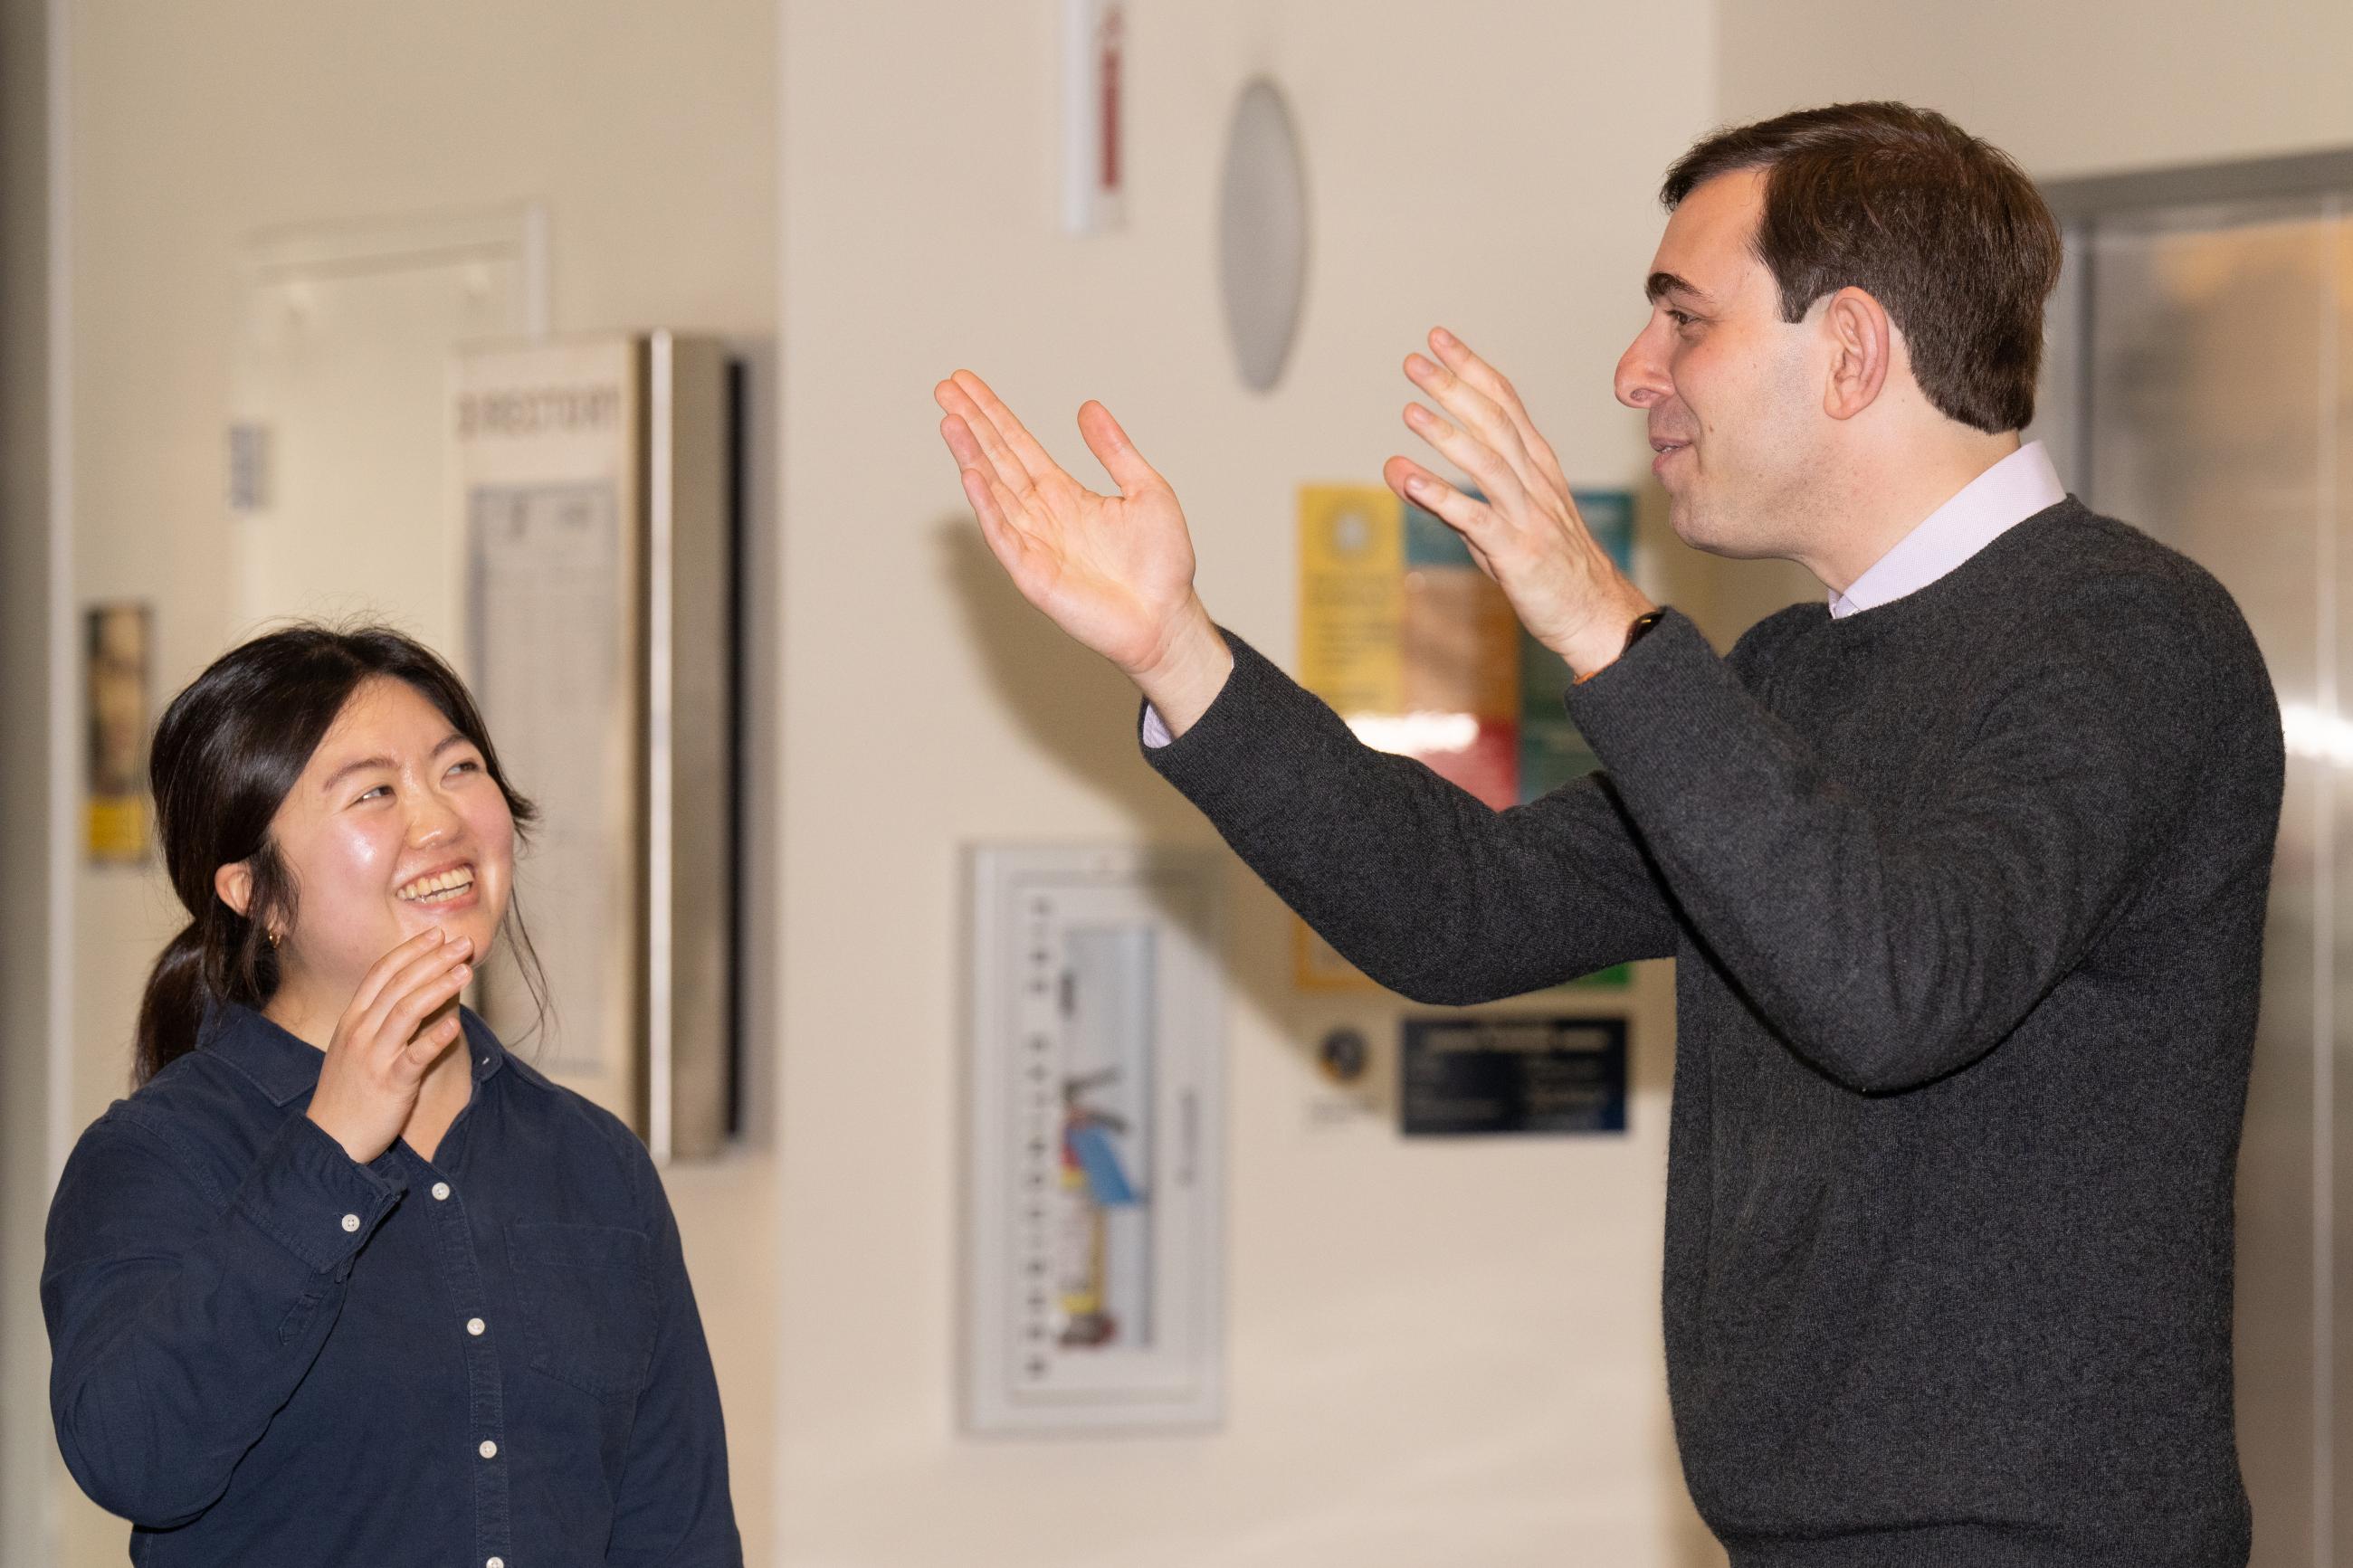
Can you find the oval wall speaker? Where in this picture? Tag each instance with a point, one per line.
(1262, 234)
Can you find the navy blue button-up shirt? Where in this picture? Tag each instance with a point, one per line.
(266, 1352)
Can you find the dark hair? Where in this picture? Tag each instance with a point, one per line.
(1939, 227)
(227, 753)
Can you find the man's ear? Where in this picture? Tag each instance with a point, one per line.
(1862, 350)
(234, 883)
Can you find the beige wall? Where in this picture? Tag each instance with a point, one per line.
(650, 134)
(1439, 1351)
(2069, 87)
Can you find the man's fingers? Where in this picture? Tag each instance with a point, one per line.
(1459, 357)
(1504, 485)
(987, 440)
(962, 444)
(990, 500)
(1039, 464)
(1115, 452)
(1474, 410)
(1464, 514)
(993, 501)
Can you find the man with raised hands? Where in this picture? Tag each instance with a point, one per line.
(1965, 867)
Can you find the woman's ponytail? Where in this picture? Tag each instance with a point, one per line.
(173, 1007)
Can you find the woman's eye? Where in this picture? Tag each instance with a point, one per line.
(469, 766)
(385, 790)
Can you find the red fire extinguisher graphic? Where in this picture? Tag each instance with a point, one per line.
(1107, 49)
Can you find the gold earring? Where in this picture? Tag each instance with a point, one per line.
(274, 940)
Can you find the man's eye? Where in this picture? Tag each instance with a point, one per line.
(1682, 319)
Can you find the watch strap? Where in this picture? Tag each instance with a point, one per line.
(1641, 623)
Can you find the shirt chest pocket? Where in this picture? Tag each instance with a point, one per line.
(587, 1297)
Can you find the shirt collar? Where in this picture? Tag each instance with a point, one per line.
(2005, 494)
(285, 1067)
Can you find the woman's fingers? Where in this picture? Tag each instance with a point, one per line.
(428, 968)
(373, 983)
(408, 1015)
(435, 1038)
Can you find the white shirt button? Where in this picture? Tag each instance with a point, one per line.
(351, 1223)
(441, 1191)
(496, 1562)
(475, 1326)
(488, 1450)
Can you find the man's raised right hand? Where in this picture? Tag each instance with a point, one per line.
(1114, 572)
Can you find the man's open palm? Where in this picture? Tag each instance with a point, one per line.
(1114, 572)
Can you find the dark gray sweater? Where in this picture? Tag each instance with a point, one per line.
(1966, 892)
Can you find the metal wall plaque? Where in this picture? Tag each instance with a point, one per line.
(1502, 1073)
(593, 484)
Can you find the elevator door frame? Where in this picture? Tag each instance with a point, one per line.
(2069, 423)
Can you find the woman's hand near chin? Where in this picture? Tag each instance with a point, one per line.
(400, 1020)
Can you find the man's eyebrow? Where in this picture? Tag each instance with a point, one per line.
(1661, 284)
(452, 739)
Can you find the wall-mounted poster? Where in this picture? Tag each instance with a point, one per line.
(1419, 650)
(1094, 1170)
(116, 640)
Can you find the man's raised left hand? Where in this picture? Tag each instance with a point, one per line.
(1527, 533)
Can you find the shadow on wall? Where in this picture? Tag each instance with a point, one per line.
(1074, 708)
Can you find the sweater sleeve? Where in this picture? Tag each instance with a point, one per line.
(179, 1325)
(1416, 881)
(1892, 945)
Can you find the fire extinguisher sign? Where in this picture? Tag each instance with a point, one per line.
(1095, 72)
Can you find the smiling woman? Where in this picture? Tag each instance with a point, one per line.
(342, 1266)
(321, 748)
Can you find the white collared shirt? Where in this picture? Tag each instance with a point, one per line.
(2002, 497)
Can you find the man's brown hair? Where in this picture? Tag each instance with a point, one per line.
(1940, 227)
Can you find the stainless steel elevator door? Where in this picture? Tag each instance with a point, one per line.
(2208, 348)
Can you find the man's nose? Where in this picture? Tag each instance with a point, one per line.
(1641, 378)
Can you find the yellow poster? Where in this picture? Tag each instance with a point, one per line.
(116, 642)
(1352, 598)
(1419, 650)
